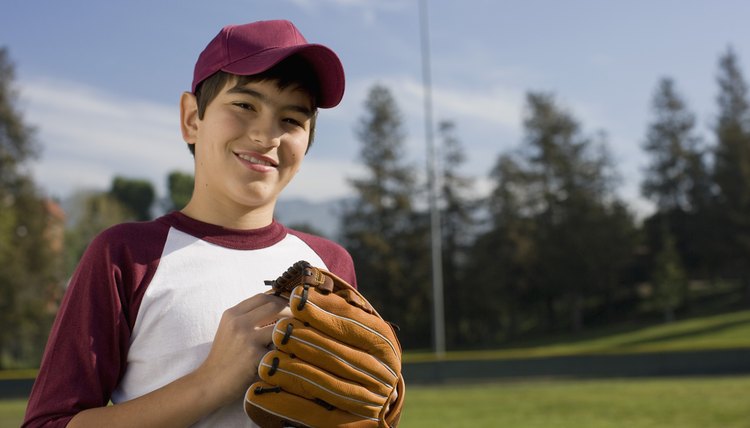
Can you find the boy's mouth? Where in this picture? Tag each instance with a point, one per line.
(256, 160)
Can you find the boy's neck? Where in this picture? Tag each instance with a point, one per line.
(240, 219)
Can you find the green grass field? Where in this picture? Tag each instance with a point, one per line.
(643, 403)
(11, 413)
(639, 403)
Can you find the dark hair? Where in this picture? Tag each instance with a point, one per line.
(293, 71)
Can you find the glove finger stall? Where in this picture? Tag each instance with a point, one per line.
(272, 407)
(305, 380)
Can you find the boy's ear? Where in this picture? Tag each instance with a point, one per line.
(189, 117)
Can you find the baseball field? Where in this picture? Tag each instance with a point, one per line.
(685, 402)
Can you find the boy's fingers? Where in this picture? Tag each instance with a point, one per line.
(256, 313)
(258, 301)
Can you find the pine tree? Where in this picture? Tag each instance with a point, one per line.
(503, 259)
(668, 278)
(582, 231)
(380, 226)
(732, 167)
(673, 147)
(677, 182)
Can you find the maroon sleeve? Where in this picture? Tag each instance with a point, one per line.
(336, 258)
(87, 348)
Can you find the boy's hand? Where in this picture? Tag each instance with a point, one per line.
(244, 334)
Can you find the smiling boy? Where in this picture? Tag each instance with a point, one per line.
(168, 319)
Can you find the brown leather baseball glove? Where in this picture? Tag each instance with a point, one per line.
(336, 363)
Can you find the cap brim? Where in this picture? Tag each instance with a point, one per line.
(324, 61)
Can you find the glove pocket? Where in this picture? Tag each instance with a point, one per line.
(306, 380)
(334, 316)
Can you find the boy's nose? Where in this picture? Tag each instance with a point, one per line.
(266, 133)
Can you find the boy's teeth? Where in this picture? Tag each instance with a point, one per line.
(254, 160)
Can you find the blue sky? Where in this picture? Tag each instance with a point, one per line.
(101, 80)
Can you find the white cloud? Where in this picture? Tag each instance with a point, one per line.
(88, 136)
(494, 104)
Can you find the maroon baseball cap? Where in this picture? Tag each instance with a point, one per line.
(255, 47)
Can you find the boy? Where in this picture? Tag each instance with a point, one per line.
(158, 317)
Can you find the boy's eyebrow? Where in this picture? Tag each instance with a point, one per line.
(264, 99)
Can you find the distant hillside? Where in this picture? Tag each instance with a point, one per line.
(730, 330)
(321, 216)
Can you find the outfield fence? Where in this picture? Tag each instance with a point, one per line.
(657, 364)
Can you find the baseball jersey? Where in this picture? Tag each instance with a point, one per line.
(144, 304)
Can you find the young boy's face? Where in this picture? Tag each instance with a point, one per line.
(249, 144)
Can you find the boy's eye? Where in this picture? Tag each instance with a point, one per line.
(245, 106)
(293, 121)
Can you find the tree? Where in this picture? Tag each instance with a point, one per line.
(672, 144)
(387, 240)
(732, 167)
(502, 261)
(17, 144)
(668, 279)
(29, 252)
(677, 181)
(581, 229)
(135, 194)
(91, 212)
(180, 186)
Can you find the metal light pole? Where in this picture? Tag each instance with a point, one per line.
(435, 229)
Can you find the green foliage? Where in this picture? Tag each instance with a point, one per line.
(29, 263)
(134, 194)
(17, 144)
(29, 275)
(668, 278)
(180, 187)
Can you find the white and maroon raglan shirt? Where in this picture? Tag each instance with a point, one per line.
(145, 302)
